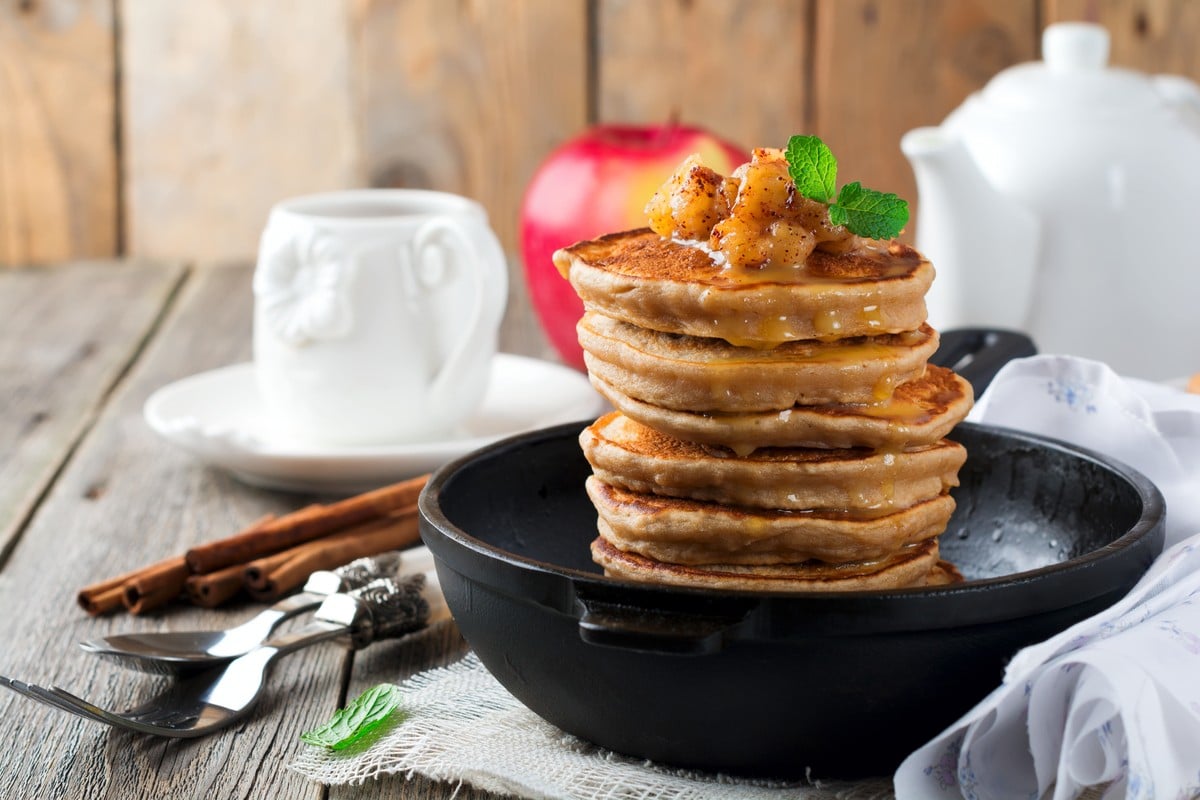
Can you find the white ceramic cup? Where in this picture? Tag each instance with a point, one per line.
(375, 316)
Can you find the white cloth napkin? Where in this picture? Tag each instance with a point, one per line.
(1115, 700)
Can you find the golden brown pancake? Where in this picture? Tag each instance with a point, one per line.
(861, 483)
(689, 532)
(920, 412)
(690, 373)
(640, 278)
(910, 566)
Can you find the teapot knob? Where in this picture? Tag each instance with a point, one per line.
(1073, 46)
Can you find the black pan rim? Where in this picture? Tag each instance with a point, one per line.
(649, 595)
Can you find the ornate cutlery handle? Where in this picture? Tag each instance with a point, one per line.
(384, 608)
(357, 573)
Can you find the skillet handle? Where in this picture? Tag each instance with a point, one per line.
(660, 631)
(977, 354)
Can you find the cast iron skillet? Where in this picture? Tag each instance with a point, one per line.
(776, 684)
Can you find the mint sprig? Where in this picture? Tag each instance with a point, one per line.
(365, 714)
(869, 213)
(865, 212)
(812, 167)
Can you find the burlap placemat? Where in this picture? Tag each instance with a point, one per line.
(460, 725)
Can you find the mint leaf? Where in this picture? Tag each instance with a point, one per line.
(865, 212)
(364, 714)
(812, 167)
(869, 213)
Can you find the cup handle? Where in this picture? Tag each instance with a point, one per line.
(461, 256)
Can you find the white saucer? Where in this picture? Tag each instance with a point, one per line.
(215, 416)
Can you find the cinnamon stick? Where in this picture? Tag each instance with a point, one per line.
(96, 602)
(254, 574)
(156, 585)
(391, 533)
(303, 526)
(105, 596)
(213, 589)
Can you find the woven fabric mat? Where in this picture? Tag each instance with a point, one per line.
(462, 726)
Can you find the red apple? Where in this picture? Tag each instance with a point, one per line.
(594, 184)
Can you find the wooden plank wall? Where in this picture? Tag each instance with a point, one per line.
(165, 129)
(58, 146)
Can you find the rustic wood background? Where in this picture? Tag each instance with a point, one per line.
(166, 130)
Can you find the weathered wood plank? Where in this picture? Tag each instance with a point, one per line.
(468, 97)
(127, 498)
(883, 68)
(58, 159)
(66, 335)
(1147, 35)
(463, 97)
(740, 69)
(229, 107)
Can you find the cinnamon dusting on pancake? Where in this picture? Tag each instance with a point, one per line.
(642, 253)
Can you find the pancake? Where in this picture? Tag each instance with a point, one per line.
(920, 412)
(640, 278)
(859, 483)
(690, 373)
(910, 566)
(689, 532)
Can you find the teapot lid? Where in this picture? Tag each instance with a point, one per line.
(1074, 76)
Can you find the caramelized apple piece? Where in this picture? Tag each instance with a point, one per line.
(690, 203)
(755, 217)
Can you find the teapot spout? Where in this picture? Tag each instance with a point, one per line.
(982, 243)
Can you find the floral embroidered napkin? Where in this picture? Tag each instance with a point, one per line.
(1153, 428)
(1115, 700)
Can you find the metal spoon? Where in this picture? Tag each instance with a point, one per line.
(189, 651)
(220, 696)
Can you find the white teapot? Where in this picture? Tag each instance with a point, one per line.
(1060, 200)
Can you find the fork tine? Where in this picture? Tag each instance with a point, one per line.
(148, 718)
(20, 688)
(141, 719)
(67, 700)
(84, 710)
(40, 695)
(77, 705)
(25, 690)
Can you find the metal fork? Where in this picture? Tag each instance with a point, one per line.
(216, 698)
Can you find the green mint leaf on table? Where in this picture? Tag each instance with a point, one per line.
(869, 213)
(812, 167)
(363, 716)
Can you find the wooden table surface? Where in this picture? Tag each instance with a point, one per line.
(88, 491)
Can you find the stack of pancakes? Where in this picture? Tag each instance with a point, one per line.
(778, 434)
